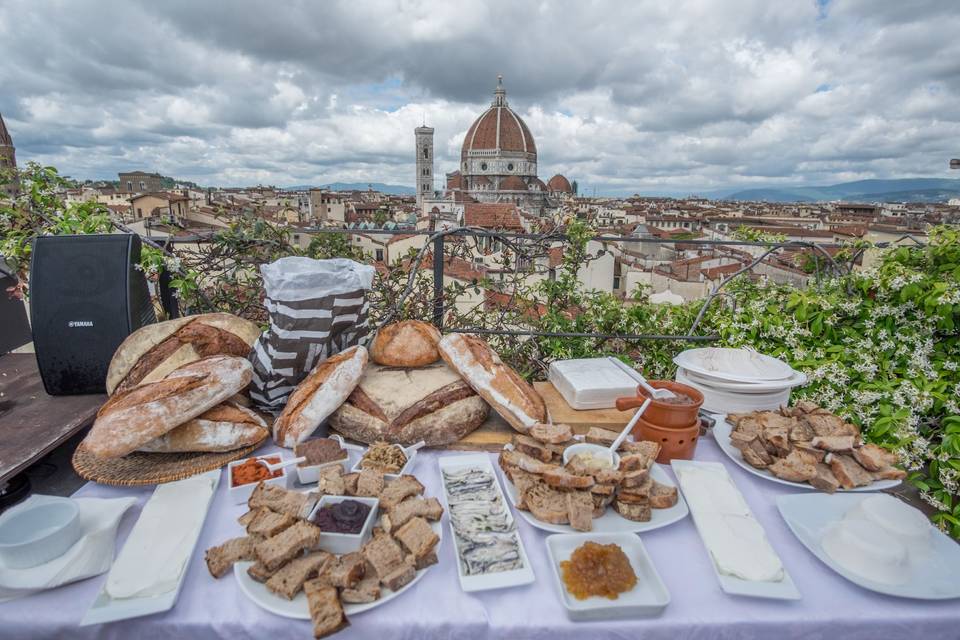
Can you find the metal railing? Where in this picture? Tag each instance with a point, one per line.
(436, 240)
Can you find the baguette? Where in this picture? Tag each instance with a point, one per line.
(502, 387)
(225, 427)
(319, 395)
(131, 419)
(150, 353)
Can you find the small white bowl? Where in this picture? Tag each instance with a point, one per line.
(341, 543)
(310, 474)
(240, 494)
(590, 448)
(411, 455)
(36, 533)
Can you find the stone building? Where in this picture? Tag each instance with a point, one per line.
(8, 156)
(424, 181)
(140, 182)
(498, 162)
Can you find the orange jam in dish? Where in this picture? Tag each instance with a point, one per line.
(598, 570)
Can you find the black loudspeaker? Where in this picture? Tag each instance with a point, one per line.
(86, 296)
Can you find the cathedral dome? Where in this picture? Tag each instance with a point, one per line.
(559, 183)
(499, 129)
(513, 183)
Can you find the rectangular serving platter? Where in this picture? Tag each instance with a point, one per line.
(648, 598)
(106, 609)
(499, 579)
(783, 590)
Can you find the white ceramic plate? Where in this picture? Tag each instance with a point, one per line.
(785, 589)
(736, 365)
(648, 598)
(297, 608)
(105, 609)
(499, 579)
(611, 521)
(721, 433)
(764, 387)
(933, 576)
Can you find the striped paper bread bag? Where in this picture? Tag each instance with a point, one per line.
(317, 309)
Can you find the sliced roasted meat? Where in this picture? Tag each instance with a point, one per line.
(796, 467)
(848, 472)
(835, 444)
(874, 458)
(824, 480)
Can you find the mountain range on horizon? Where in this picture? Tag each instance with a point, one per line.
(897, 190)
(391, 189)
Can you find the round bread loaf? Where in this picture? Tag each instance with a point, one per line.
(129, 419)
(497, 383)
(408, 343)
(151, 352)
(319, 395)
(225, 427)
(406, 405)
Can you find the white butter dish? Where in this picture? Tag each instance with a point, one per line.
(590, 383)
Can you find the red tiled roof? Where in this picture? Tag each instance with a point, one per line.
(513, 183)
(555, 256)
(492, 216)
(559, 183)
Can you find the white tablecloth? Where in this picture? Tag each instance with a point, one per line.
(831, 607)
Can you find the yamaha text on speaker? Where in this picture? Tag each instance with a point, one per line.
(86, 296)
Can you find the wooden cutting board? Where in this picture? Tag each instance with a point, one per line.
(496, 432)
(580, 421)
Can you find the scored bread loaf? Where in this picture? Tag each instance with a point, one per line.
(225, 427)
(150, 353)
(497, 383)
(132, 418)
(408, 343)
(319, 395)
(406, 405)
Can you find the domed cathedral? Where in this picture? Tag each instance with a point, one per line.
(498, 162)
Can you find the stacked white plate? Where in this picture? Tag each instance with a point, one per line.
(737, 380)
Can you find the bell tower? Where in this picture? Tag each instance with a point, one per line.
(424, 181)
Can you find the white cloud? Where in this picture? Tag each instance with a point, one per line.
(694, 94)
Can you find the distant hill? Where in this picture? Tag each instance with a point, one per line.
(392, 189)
(903, 190)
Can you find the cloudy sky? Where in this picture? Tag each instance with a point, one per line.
(622, 96)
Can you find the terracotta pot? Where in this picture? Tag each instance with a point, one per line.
(675, 444)
(662, 413)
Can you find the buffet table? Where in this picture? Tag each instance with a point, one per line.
(436, 607)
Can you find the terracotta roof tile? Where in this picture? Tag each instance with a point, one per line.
(492, 216)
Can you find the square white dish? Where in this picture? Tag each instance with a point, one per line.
(785, 589)
(407, 468)
(648, 598)
(495, 580)
(590, 383)
(933, 576)
(240, 495)
(105, 609)
(311, 474)
(341, 543)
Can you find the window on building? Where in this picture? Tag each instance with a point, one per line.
(616, 282)
(379, 255)
(296, 237)
(510, 167)
(552, 274)
(129, 186)
(143, 185)
(483, 166)
(426, 152)
(139, 212)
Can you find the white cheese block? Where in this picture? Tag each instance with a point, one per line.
(590, 383)
(159, 546)
(735, 540)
